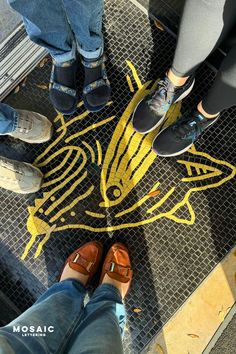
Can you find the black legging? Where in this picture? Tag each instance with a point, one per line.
(204, 25)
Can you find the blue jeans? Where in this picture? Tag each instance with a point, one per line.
(8, 119)
(62, 25)
(69, 327)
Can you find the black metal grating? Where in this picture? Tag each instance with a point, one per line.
(170, 259)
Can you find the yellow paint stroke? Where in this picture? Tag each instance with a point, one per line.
(75, 119)
(99, 149)
(78, 199)
(59, 167)
(111, 174)
(54, 143)
(47, 195)
(120, 153)
(92, 153)
(214, 172)
(158, 204)
(138, 203)
(135, 74)
(95, 215)
(64, 174)
(45, 239)
(131, 87)
(66, 194)
(91, 127)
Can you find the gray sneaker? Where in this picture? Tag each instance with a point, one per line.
(33, 128)
(19, 177)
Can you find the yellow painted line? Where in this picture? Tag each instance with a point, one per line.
(95, 215)
(166, 196)
(91, 127)
(90, 150)
(99, 149)
(71, 205)
(131, 87)
(138, 203)
(190, 330)
(135, 74)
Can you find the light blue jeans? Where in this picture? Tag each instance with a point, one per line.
(69, 327)
(63, 25)
(8, 119)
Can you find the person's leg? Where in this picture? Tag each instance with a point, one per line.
(8, 119)
(56, 312)
(46, 24)
(204, 24)
(222, 94)
(102, 325)
(85, 18)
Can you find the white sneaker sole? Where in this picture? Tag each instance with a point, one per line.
(181, 97)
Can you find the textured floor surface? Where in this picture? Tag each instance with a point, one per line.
(102, 181)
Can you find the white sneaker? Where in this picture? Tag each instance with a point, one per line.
(19, 177)
(33, 128)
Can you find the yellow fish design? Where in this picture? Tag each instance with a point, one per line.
(105, 186)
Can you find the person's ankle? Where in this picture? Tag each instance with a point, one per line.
(204, 113)
(176, 80)
(69, 273)
(122, 287)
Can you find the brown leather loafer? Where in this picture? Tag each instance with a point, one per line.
(117, 264)
(86, 259)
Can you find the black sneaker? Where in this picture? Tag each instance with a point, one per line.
(178, 137)
(151, 111)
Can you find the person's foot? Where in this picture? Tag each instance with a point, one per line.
(83, 263)
(178, 137)
(151, 111)
(19, 177)
(33, 128)
(96, 91)
(117, 269)
(63, 91)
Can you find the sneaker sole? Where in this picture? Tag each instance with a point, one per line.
(176, 153)
(181, 97)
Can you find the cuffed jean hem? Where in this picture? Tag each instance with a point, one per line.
(67, 56)
(90, 54)
(8, 119)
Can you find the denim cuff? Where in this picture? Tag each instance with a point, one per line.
(88, 54)
(15, 121)
(67, 56)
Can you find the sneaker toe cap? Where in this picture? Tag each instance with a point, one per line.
(144, 118)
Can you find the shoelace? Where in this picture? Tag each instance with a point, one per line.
(189, 128)
(157, 98)
(24, 124)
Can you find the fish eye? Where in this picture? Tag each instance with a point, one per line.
(114, 192)
(117, 193)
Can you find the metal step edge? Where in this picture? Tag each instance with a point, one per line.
(18, 57)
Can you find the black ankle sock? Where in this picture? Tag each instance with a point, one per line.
(100, 95)
(92, 74)
(66, 75)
